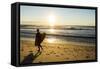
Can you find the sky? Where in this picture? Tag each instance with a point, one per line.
(36, 15)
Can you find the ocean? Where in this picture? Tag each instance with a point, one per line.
(61, 34)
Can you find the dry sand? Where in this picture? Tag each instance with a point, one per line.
(55, 52)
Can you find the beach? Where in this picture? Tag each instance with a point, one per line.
(55, 52)
(67, 34)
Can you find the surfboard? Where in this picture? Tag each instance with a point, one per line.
(43, 35)
(39, 40)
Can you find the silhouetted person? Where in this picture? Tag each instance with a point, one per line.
(38, 40)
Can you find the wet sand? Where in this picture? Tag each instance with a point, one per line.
(55, 52)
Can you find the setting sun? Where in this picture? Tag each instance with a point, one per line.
(51, 20)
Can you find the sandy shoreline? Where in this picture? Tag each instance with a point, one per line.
(54, 52)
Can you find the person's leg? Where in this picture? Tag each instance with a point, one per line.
(38, 48)
(41, 47)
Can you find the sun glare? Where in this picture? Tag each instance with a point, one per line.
(51, 20)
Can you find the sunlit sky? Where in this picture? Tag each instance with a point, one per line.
(35, 15)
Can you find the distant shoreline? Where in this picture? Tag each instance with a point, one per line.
(30, 35)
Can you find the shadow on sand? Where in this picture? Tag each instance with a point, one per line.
(31, 57)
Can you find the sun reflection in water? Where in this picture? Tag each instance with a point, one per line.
(51, 40)
(51, 30)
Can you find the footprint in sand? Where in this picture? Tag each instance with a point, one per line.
(64, 48)
(62, 54)
(67, 58)
(57, 55)
(30, 51)
(47, 54)
(54, 53)
(58, 47)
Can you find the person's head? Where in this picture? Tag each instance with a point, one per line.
(37, 30)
